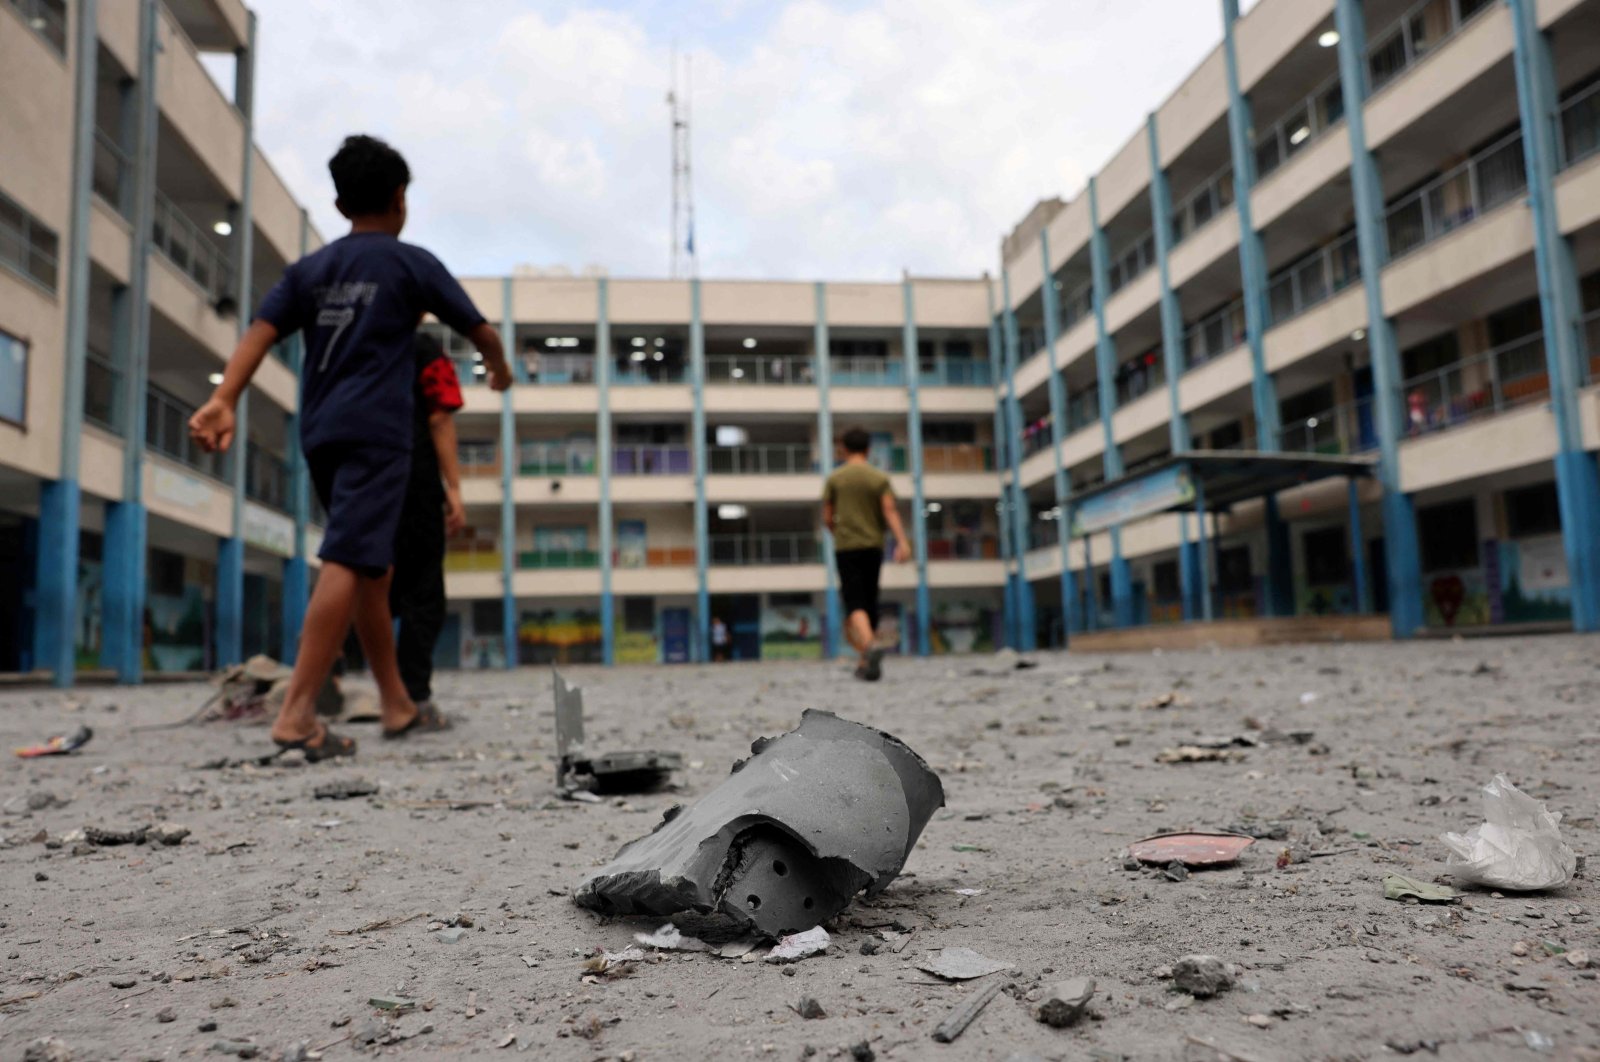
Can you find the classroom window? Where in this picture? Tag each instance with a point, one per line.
(639, 615)
(1233, 569)
(27, 245)
(13, 380)
(1165, 577)
(486, 617)
(166, 573)
(1449, 534)
(1533, 510)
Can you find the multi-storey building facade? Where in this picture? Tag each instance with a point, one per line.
(1356, 228)
(1359, 228)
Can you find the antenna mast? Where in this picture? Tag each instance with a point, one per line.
(682, 235)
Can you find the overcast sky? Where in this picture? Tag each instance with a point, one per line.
(832, 138)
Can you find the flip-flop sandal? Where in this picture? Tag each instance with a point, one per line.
(331, 745)
(428, 720)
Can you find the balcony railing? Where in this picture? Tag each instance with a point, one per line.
(543, 559)
(761, 459)
(1214, 334)
(1083, 410)
(1037, 436)
(1458, 197)
(47, 18)
(1132, 262)
(653, 557)
(652, 461)
(1042, 534)
(1202, 206)
(954, 372)
(1580, 126)
(266, 478)
(111, 172)
(629, 373)
(753, 369)
(857, 371)
(1077, 305)
(1481, 385)
(191, 250)
(963, 545)
(957, 457)
(555, 369)
(540, 458)
(478, 458)
(1345, 429)
(166, 432)
(1302, 125)
(1314, 279)
(472, 555)
(797, 547)
(1139, 378)
(102, 393)
(1416, 35)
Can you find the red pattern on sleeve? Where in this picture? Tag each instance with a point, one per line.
(440, 388)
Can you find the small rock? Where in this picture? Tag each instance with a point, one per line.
(208, 1026)
(1519, 948)
(870, 946)
(1130, 863)
(862, 1052)
(810, 1008)
(166, 1014)
(47, 1049)
(1065, 1002)
(1202, 976)
(1260, 1021)
(1578, 958)
(39, 875)
(168, 833)
(449, 936)
(1175, 871)
(241, 1048)
(123, 982)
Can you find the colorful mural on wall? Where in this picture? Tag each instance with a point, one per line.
(791, 632)
(960, 627)
(177, 634)
(560, 636)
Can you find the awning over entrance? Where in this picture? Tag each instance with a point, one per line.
(1204, 480)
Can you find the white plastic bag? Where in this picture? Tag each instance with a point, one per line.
(1519, 846)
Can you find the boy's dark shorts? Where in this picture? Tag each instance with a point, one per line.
(363, 490)
(858, 580)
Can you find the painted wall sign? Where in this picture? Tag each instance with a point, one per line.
(268, 530)
(1132, 500)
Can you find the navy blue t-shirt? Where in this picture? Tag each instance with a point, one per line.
(359, 300)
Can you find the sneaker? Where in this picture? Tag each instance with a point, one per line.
(874, 668)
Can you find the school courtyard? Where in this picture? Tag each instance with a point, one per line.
(271, 927)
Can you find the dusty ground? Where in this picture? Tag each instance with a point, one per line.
(1051, 772)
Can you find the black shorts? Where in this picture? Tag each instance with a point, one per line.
(858, 580)
(363, 490)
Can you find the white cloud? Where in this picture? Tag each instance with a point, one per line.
(832, 138)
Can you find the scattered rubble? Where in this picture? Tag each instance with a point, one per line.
(1202, 976)
(965, 1013)
(1065, 1002)
(579, 771)
(1400, 887)
(961, 964)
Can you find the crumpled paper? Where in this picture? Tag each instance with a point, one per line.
(1518, 847)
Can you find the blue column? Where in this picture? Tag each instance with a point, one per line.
(1006, 461)
(1358, 549)
(602, 379)
(833, 610)
(123, 578)
(230, 551)
(56, 583)
(1560, 304)
(1105, 360)
(1189, 571)
(1280, 565)
(510, 463)
(1399, 516)
(296, 570)
(1252, 255)
(1203, 548)
(1027, 633)
(1172, 357)
(919, 503)
(700, 644)
(1058, 434)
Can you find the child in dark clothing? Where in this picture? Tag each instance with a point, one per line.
(432, 511)
(358, 301)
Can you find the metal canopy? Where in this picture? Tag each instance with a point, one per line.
(1210, 479)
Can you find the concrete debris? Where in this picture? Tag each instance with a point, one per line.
(168, 833)
(798, 946)
(961, 964)
(1170, 699)
(1518, 847)
(47, 1049)
(579, 771)
(1199, 754)
(809, 1008)
(238, 1048)
(955, 1023)
(110, 838)
(783, 844)
(1202, 976)
(345, 790)
(670, 938)
(1065, 1002)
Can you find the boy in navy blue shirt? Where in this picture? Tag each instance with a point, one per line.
(358, 301)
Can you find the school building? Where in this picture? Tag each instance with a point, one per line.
(1320, 339)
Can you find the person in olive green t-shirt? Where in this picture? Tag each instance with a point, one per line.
(857, 506)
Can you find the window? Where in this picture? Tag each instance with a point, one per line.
(1449, 534)
(27, 244)
(1327, 559)
(1430, 355)
(639, 615)
(486, 617)
(1533, 510)
(166, 573)
(1233, 569)
(1515, 322)
(1165, 577)
(13, 380)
